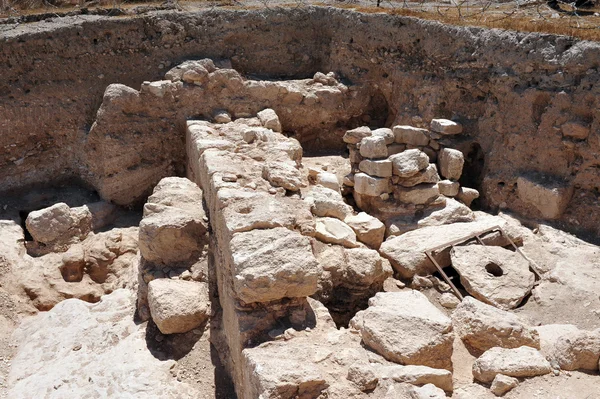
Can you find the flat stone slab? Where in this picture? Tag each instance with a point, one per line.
(493, 275)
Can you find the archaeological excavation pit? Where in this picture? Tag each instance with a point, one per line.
(296, 203)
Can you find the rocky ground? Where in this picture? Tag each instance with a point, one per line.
(269, 272)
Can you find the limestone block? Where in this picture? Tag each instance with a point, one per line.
(549, 196)
(387, 134)
(408, 163)
(373, 147)
(578, 350)
(451, 163)
(549, 335)
(329, 180)
(519, 362)
(368, 229)
(452, 212)
(446, 127)
(493, 275)
(355, 136)
(178, 306)
(449, 188)
(283, 174)
(378, 168)
(327, 202)
(428, 175)
(363, 376)
(411, 135)
(404, 327)
(416, 375)
(421, 194)
(467, 195)
(371, 186)
(221, 116)
(483, 326)
(502, 384)
(269, 119)
(335, 231)
(272, 264)
(59, 224)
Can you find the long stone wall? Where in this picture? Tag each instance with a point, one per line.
(528, 101)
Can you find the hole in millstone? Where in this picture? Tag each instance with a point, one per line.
(494, 269)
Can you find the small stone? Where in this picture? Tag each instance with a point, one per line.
(386, 133)
(411, 135)
(409, 162)
(451, 163)
(355, 136)
(368, 229)
(373, 147)
(334, 231)
(575, 130)
(446, 127)
(467, 195)
(449, 301)
(449, 188)
(221, 116)
(370, 186)
(269, 119)
(418, 195)
(379, 168)
(524, 361)
(502, 384)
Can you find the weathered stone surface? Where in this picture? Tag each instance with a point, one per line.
(578, 350)
(467, 195)
(446, 127)
(59, 224)
(428, 391)
(200, 70)
(386, 133)
(575, 130)
(174, 225)
(273, 264)
(449, 301)
(178, 306)
(408, 163)
(329, 180)
(429, 175)
(335, 231)
(363, 376)
(524, 361)
(482, 327)
(502, 384)
(419, 195)
(549, 197)
(416, 375)
(283, 174)
(355, 136)
(404, 327)
(325, 202)
(379, 168)
(371, 186)
(452, 212)
(549, 335)
(221, 116)
(373, 147)
(493, 275)
(449, 188)
(60, 350)
(406, 252)
(368, 229)
(411, 135)
(364, 267)
(451, 163)
(269, 119)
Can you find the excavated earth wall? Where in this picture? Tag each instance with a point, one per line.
(528, 102)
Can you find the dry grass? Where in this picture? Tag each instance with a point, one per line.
(529, 17)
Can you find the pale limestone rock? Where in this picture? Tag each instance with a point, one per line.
(483, 326)
(421, 194)
(329, 180)
(363, 376)
(404, 327)
(191, 71)
(174, 225)
(327, 202)
(493, 275)
(502, 384)
(57, 352)
(158, 88)
(221, 116)
(378, 168)
(272, 264)
(449, 188)
(549, 335)
(364, 267)
(408, 163)
(371, 186)
(59, 224)
(373, 147)
(449, 301)
(550, 198)
(428, 175)
(416, 375)
(283, 174)
(428, 391)
(406, 252)
(269, 119)
(386, 133)
(446, 127)
(578, 350)
(411, 135)
(467, 195)
(335, 231)
(451, 163)
(355, 136)
(178, 306)
(452, 212)
(368, 229)
(575, 130)
(520, 362)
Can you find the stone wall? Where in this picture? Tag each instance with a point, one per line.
(528, 102)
